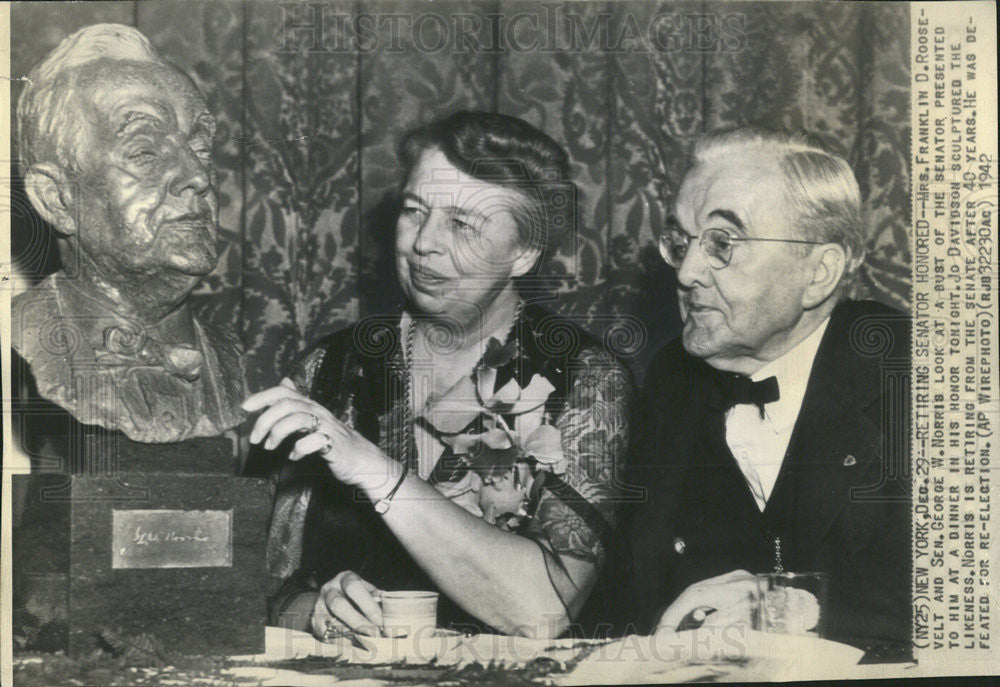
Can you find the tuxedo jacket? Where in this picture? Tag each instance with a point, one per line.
(841, 501)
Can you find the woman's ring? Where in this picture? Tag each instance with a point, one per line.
(328, 446)
(315, 424)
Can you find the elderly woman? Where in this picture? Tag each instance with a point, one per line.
(468, 446)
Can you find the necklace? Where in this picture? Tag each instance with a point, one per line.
(409, 457)
(408, 438)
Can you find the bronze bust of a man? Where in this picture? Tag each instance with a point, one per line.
(116, 144)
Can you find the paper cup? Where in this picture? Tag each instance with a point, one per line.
(409, 614)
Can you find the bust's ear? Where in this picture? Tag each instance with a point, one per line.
(52, 194)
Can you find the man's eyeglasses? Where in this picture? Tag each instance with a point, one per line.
(716, 243)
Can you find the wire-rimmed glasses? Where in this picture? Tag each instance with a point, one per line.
(717, 244)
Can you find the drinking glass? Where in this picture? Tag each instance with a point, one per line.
(791, 603)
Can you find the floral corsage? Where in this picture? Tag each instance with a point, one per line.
(495, 465)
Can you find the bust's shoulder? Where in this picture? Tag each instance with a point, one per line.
(46, 338)
(221, 337)
(40, 292)
(33, 308)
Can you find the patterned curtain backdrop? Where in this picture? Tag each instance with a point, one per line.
(312, 97)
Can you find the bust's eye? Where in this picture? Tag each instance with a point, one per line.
(201, 146)
(141, 155)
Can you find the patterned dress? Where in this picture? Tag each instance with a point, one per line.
(531, 440)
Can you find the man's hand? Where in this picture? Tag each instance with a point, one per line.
(348, 602)
(718, 601)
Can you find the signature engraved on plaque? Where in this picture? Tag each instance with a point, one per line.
(171, 538)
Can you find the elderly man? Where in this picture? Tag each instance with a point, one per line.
(117, 158)
(766, 437)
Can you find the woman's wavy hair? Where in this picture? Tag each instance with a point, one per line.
(507, 151)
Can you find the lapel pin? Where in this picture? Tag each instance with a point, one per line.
(849, 461)
(679, 545)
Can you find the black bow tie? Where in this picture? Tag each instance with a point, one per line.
(732, 390)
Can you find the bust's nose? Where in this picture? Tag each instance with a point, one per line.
(189, 172)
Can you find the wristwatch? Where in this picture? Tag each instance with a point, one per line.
(382, 505)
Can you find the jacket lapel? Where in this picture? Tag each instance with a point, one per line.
(835, 444)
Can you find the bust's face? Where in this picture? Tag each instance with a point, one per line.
(146, 188)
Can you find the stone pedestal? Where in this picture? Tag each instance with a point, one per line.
(168, 543)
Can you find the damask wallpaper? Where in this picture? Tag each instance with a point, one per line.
(312, 97)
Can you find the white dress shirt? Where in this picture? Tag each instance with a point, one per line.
(759, 444)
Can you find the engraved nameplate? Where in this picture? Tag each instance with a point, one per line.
(171, 538)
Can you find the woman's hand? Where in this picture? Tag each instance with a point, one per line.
(352, 459)
(715, 602)
(347, 602)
